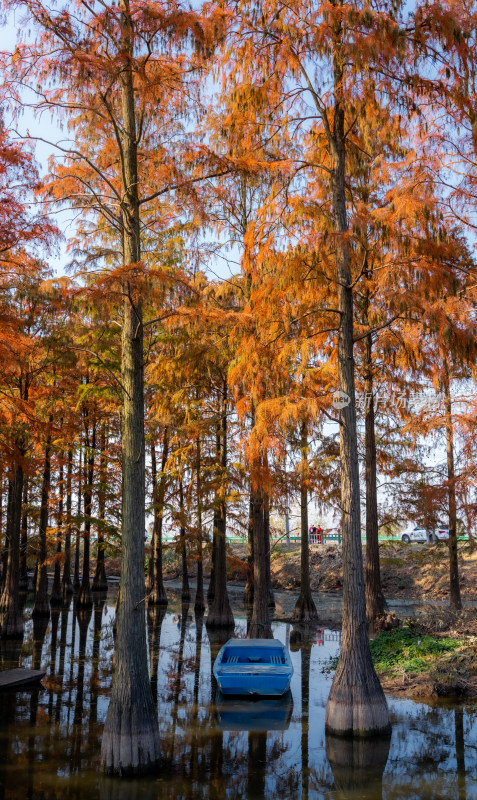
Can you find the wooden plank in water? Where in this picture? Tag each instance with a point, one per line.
(11, 678)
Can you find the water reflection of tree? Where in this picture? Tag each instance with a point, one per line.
(83, 616)
(72, 657)
(40, 626)
(257, 761)
(194, 720)
(217, 638)
(178, 676)
(99, 602)
(65, 611)
(301, 638)
(155, 618)
(7, 715)
(31, 748)
(460, 750)
(358, 764)
(55, 618)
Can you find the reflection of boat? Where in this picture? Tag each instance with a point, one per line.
(270, 714)
(253, 667)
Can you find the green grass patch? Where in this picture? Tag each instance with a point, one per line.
(406, 650)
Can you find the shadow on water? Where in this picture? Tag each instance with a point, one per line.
(212, 747)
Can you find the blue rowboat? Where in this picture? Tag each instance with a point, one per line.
(253, 667)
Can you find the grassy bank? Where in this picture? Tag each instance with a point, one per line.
(416, 663)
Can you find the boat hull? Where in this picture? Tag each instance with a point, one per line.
(254, 684)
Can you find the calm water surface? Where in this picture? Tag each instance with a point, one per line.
(214, 748)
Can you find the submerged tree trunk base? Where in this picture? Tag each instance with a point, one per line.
(56, 598)
(85, 597)
(259, 630)
(305, 610)
(11, 617)
(220, 614)
(41, 606)
(185, 595)
(356, 704)
(100, 582)
(248, 593)
(157, 596)
(199, 604)
(130, 747)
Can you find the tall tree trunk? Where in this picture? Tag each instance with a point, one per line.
(100, 583)
(356, 703)
(56, 598)
(11, 616)
(76, 573)
(215, 527)
(305, 610)
(213, 555)
(455, 598)
(468, 520)
(248, 591)
(130, 743)
(375, 602)
(23, 583)
(182, 538)
(220, 612)
(41, 606)
(1, 528)
(157, 595)
(6, 545)
(266, 525)
(85, 597)
(66, 582)
(199, 604)
(260, 626)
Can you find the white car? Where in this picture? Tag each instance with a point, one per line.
(422, 535)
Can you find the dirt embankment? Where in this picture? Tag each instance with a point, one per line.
(408, 571)
(411, 571)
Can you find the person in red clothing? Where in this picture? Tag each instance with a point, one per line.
(319, 535)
